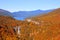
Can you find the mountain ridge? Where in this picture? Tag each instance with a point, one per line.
(5, 13)
(26, 14)
(55, 13)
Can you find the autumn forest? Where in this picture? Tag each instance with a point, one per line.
(41, 27)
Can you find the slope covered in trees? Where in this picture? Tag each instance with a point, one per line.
(6, 28)
(44, 27)
(49, 26)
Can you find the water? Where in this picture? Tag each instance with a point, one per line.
(19, 18)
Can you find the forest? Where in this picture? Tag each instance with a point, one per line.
(44, 27)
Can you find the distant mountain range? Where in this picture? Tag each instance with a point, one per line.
(21, 15)
(50, 16)
(41, 27)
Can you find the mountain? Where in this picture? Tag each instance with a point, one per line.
(41, 27)
(5, 13)
(48, 26)
(54, 14)
(21, 15)
(6, 28)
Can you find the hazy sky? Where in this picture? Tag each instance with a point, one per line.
(28, 5)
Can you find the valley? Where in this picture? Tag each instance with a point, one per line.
(41, 27)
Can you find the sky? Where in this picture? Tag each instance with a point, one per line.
(28, 5)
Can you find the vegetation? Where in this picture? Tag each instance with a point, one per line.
(47, 29)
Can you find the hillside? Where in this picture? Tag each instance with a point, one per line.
(43, 27)
(54, 14)
(49, 26)
(6, 28)
(10, 28)
(5, 13)
(7, 20)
